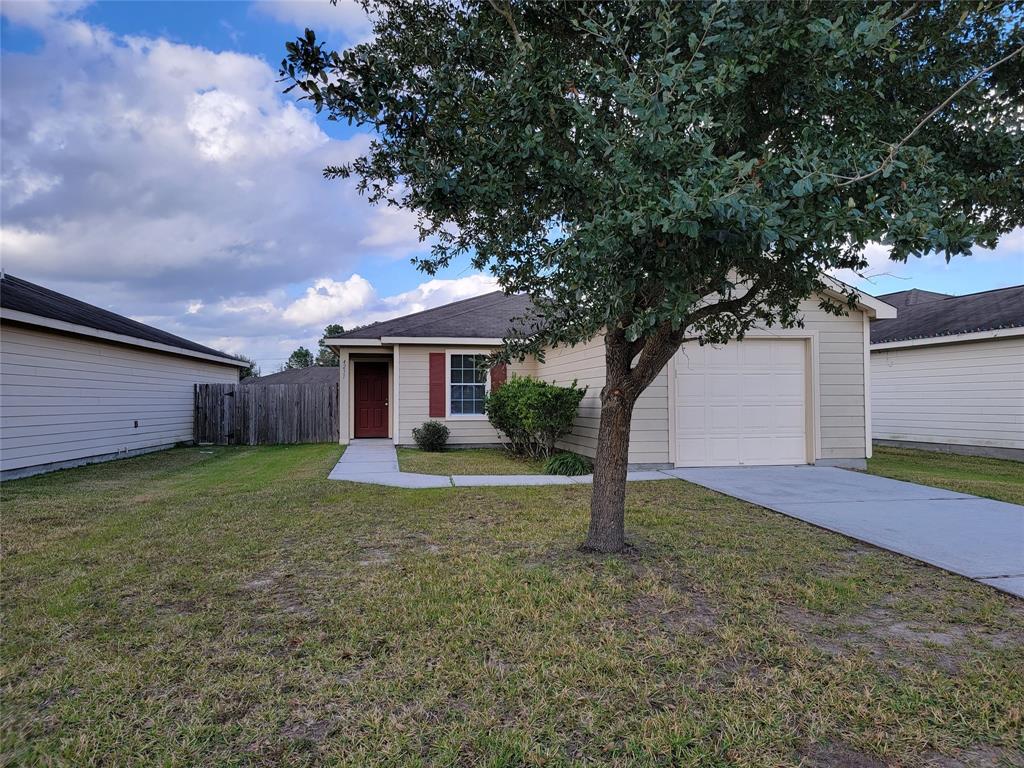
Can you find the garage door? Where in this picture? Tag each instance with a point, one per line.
(742, 403)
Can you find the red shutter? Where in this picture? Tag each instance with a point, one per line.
(436, 386)
(498, 375)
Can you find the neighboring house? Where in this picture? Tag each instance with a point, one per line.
(948, 373)
(314, 374)
(80, 384)
(782, 396)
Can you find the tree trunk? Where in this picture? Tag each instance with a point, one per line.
(607, 531)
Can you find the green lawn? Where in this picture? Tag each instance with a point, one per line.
(467, 461)
(231, 606)
(991, 478)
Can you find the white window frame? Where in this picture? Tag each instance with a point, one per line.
(448, 385)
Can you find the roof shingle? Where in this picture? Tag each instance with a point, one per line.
(483, 317)
(930, 315)
(314, 374)
(23, 296)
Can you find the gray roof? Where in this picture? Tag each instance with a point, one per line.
(315, 374)
(23, 296)
(484, 317)
(902, 299)
(925, 315)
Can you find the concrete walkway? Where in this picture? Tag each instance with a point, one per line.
(979, 538)
(376, 462)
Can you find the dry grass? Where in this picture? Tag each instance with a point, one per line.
(233, 607)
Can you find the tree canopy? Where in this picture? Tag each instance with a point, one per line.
(300, 358)
(655, 171)
(252, 370)
(325, 356)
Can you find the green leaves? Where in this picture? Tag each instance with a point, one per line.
(802, 187)
(615, 159)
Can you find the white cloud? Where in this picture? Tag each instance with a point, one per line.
(347, 22)
(392, 228)
(38, 13)
(329, 299)
(268, 327)
(1009, 245)
(984, 267)
(182, 172)
(433, 293)
(355, 302)
(180, 186)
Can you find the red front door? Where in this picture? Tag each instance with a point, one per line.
(371, 401)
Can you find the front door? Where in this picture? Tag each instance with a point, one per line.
(371, 399)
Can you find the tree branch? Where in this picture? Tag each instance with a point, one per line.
(848, 180)
(506, 13)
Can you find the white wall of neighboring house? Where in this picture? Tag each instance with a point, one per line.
(66, 400)
(959, 394)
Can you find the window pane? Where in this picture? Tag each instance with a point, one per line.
(467, 379)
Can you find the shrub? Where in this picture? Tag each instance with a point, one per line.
(532, 414)
(568, 464)
(431, 436)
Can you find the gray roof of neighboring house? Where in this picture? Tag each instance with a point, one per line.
(315, 374)
(925, 315)
(485, 317)
(902, 299)
(23, 296)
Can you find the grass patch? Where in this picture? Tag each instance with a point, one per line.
(231, 606)
(467, 461)
(991, 478)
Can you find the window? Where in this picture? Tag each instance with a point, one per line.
(467, 384)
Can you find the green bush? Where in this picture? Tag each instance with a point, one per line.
(532, 414)
(568, 464)
(431, 436)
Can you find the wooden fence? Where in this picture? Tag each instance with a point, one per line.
(265, 414)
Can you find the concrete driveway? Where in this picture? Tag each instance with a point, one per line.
(979, 538)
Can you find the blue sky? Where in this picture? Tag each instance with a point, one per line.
(152, 165)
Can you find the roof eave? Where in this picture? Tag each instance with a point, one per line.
(427, 340)
(952, 338)
(27, 318)
(872, 306)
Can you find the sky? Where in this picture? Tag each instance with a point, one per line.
(151, 165)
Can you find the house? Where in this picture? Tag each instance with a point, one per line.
(314, 374)
(948, 373)
(80, 384)
(781, 396)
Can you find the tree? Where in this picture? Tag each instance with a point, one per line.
(300, 358)
(655, 171)
(327, 356)
(253, 370)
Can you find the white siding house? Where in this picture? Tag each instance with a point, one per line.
(792, 396)
(948, 373)
(74, 393)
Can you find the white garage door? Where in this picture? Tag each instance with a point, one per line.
(742, 403)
